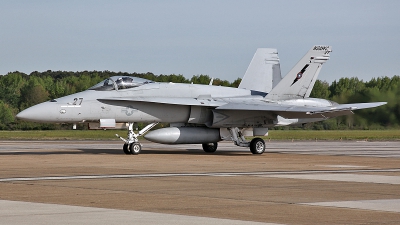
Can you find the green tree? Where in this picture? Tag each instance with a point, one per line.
(200, 79)
(320, 90)
(33, 93)
(11, 84)
(236, 83)
(6, 115)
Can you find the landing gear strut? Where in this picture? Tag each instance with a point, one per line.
(257, 145)
(132, 145)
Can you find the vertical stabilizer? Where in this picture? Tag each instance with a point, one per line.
(299, 82)
(264, 71)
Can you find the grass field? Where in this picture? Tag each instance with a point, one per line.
(369, 135)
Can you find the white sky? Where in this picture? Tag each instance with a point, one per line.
(217, 38)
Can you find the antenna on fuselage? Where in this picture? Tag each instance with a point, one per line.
(211, 81)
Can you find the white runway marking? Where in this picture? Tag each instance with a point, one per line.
(362, 178)
(13, 212)
(389, 205)
(334, 175)
(385, 149)
(341, 166)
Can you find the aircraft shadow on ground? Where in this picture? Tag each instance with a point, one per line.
(194, 152)
(120, 152)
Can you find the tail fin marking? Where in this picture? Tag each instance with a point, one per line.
(299, 82)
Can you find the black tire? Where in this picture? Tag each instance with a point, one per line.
(135, 148)
(210, 147)
(126, 149)
(257, 146)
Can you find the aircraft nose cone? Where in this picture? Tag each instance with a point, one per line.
(30, 114)
(37, 113)
(24, 115)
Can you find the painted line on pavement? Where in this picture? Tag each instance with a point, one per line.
(267, 173)
(388, 205)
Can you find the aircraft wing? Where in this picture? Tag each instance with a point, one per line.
(199, 101)
(291, 111)
(286, 111)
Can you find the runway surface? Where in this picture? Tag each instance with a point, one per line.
(93, 182)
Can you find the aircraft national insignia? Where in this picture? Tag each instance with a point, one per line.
(128, 110)
(300, 74)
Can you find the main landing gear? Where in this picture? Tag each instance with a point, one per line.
(257, 145)
(132, 145)
(210, 147)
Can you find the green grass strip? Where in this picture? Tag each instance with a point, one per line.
(368, 135)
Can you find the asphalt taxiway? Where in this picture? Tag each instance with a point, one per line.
(93, 182)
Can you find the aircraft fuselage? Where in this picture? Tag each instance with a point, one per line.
(90, 105)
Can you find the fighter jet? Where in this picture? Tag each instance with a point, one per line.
(202, 114)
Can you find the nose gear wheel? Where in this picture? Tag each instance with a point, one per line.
(132, 145)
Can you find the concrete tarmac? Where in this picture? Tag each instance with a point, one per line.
(93, 182)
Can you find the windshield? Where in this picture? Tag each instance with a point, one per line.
(119, 83)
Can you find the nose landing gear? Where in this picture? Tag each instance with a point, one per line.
(132, 145)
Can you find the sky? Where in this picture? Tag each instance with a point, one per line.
(216, 38)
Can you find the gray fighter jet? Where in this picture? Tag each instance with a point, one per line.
(202, 114)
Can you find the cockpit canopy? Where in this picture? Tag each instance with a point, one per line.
(119, 83)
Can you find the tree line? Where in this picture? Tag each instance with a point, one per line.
(19, 91)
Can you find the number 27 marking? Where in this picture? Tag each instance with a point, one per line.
(77, 101)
